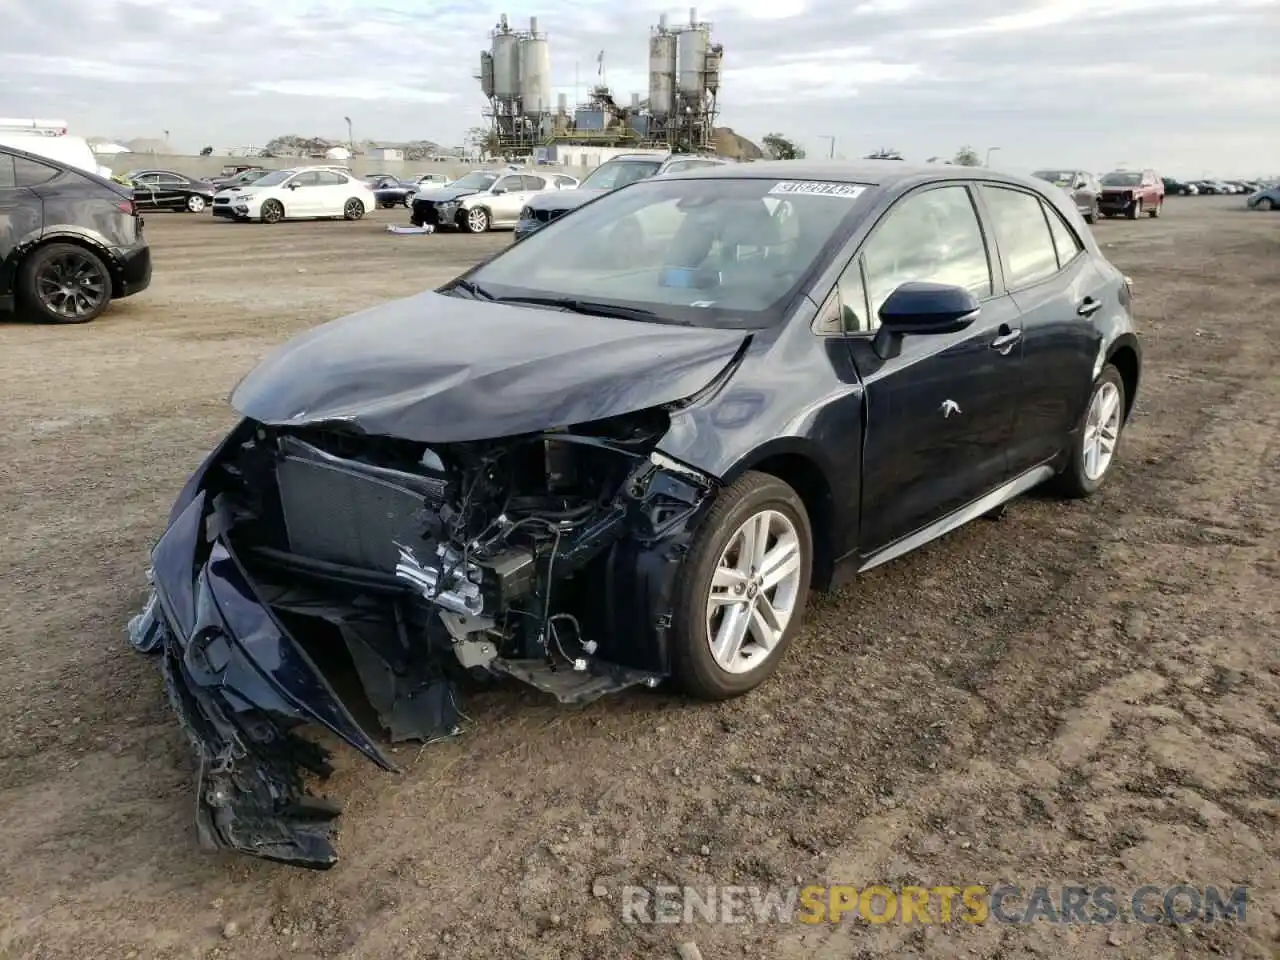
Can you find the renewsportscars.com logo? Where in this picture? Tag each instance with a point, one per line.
(971, 903)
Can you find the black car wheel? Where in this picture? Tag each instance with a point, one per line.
(353, 210)
(1155, 209)
(408, 200)
(195, 203)
(64, 283)
(1266, 203)
(1097, 437)
(743, 590)
(1092, 216)
(1135, 209)
(272, 211)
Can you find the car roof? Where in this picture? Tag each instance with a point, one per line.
(876, 173)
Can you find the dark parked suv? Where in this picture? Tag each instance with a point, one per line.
(70, 241)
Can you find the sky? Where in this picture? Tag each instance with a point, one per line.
(1191, 88)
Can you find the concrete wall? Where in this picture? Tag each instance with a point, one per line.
(211, 166)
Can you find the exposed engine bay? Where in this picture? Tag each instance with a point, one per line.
(534, 557)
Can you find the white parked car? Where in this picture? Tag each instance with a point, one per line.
(302, 193)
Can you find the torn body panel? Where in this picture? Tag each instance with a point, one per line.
(550, 558)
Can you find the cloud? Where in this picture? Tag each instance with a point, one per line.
(1178, 84)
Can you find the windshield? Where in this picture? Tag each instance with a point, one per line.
(1120, 179)
(713, 252)
(476, 181)
(274, 179)
(1056, 176)
(619, 173)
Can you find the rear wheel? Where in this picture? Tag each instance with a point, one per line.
(64, 283)
(408, 200)
(195, 203)
(272, 211)
(1097, 438)
(1155, 210)
(743, 589)
(353, 210)
(1266, 203)
(1092, 216)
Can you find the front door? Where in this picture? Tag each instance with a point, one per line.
(507, 200)
(146, 191)
(938, 413)
(21, 219)
(305, 195)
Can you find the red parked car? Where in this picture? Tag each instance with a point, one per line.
(1131, 193)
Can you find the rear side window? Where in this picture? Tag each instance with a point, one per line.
(1026, 246)
(8, 179)
(30, 173)
(1064, 238)
(534, 183)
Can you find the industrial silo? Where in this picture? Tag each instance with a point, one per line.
(662, 70)
(506, 63)
(486, 73)
(535, 71)
(694, 41)
(715, 57)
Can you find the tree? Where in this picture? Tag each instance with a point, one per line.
(966, 156)
(484, 140)
(779, 147)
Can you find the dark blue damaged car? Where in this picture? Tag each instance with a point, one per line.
(621, 451)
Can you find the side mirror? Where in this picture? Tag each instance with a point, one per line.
(498, 191)
(294, 185)
(923, 308)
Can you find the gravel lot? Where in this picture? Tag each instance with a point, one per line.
(1080, 692)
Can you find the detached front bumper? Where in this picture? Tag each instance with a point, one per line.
(1115, 203)
(240, 686)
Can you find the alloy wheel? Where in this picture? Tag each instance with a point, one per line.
(754, 591)
(354, 210)
(72, 285)
(195, 203)
(1101, 431)
(477, 220)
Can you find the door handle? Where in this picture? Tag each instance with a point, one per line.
(1088, 307)
(1006, 340)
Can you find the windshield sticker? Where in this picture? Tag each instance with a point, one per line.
(814, 188)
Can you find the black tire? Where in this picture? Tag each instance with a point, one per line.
(272, 211)
(695, 669)
(353, 209)
(1135, 209)
(1092, 216)
(1073, 482)
(408, 200)
(1155, 211)
(195, 204)
(475, 220)
(46, 275)
(1266, 203)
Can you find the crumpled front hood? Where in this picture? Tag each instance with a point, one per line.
(445, 194)
(441, 369)
(564, 199)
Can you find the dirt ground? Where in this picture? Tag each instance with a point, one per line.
(1077, 693)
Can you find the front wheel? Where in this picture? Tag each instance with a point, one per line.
(1092, 216)
(476, 220)
(1135, 211)
(1266, 203)
(64, 283)
(743, 589)
(272, 211)
(1097, 438)
(408, 200)
(353, 210)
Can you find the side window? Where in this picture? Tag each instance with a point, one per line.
(8, 179)
(679, 166)
(29, 173)
(854, 317)
(325, 179)
(309, 179)
(1026, 246)
(147, 178)
(932, 236)
(170, 179)
(1064, 238)
(564, 181)
(509, 184)
(534, 183)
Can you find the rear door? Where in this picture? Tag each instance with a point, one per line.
(1057, 289)
(21, 219)
(333, 190)
(939, 414)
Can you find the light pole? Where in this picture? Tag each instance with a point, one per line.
(827, 136)
(990, 151)
(351, 140)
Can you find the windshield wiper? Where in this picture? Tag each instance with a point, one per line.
(593, 308)
(474, 289)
